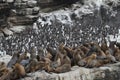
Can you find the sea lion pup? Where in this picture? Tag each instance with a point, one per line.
(87, 60)
(14, 59)
(110, 57)
(19, 71)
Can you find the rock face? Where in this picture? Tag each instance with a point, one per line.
(15, 12)
(76, 25)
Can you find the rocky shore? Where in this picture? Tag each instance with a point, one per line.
(107, 72)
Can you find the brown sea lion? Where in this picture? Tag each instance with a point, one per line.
(19, 71)
(63, 68)
(110, 57)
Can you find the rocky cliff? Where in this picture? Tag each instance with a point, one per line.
(77, 24)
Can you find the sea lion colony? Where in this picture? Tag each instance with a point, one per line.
(60, 60)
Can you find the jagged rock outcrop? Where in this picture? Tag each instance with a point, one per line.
(19, 12)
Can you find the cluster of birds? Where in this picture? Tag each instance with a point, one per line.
(61, 59)
(88, 28)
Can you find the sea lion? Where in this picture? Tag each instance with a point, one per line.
(110, 57)
(19, 71)
(86, 61)
(84, 49)
(77, 56)
(14, 59)
(90, 59)
(104, 46)
(52, 51)
(63, 68)
(100, 54)
(7, 74)
(2, 65)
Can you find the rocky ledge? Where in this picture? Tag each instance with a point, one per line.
(108, 72)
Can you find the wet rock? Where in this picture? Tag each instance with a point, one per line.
(32, 3)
